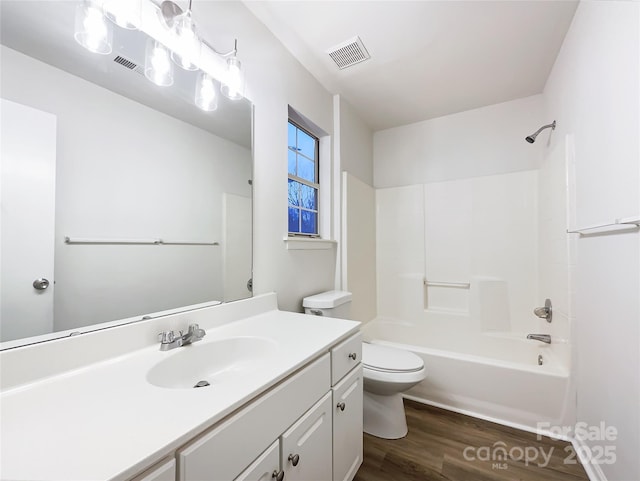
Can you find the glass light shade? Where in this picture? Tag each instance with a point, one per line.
(124, 13)
(157, 64)
(92, 30)
(206, 93)
(233, 85)
(187, 41)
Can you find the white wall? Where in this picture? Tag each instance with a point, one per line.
(593, 92)
(356, 144)
(105, 190)
(275, 80)
(484, 141)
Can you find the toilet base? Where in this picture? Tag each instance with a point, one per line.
(384, 416)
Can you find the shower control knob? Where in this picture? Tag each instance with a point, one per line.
(279, 475)
(341, 406)
(294, 458)
(353, 356)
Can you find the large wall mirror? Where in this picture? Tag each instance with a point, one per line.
(127, 198)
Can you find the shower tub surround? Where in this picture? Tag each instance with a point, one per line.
(95, 413)
(492, 376)
(458, 288)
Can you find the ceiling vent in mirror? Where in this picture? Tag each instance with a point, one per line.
(125, 62)
(349, 53)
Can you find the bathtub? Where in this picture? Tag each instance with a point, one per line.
(493, 376)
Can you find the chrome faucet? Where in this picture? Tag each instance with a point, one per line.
(170, 339)
(546, 338)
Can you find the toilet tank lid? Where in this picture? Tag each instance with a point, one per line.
(327, 300)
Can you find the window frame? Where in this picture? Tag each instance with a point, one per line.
(314, 185)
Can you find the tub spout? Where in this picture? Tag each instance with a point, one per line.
(546, 338)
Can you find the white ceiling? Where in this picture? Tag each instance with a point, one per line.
(428, 58)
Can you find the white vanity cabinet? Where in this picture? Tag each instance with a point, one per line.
(346, 380)
(162, 471)
(225, 451)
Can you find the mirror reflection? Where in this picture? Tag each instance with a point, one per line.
(120, 198)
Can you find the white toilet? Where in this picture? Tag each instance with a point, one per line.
(387, 371)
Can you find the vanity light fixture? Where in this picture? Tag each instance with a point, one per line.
(157, 63)
(124, 13)
(172, 36)
(232, 86)
(92, 30)
(206, 93)
(183, 28)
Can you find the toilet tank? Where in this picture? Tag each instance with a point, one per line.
(329, 304)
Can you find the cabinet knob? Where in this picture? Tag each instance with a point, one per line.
(353, 356)
(294, 458)
(341, 406)
(279, 475)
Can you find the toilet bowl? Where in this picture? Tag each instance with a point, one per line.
(387, 372)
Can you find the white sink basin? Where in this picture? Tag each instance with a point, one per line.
(214, 362)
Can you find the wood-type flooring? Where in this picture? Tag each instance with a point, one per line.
(447, 446)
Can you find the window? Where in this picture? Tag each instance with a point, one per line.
(304, 184)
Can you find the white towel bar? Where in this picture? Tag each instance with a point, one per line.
(90, 240)
(622, 224)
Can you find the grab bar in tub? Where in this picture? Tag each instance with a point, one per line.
(460, 285)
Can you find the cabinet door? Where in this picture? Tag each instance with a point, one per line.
(347, 426)
(306, 446)
(262, 469)
(163, 471)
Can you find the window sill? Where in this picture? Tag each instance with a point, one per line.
(302, 243)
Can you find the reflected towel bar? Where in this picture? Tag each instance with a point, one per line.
(459, 285)
(88, 240)
(615, 226)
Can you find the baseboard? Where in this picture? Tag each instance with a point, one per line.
(503, 422)
(593, 470)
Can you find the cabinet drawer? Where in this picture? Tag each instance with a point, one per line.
(347, 426)
(262, 468)
(345, 356)
(225, 450)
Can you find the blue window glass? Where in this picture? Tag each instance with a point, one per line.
(306, 169)
(294, 219)
(309, 222)
(309, 197)
(293, 144)
(294, 192)
(292, 163)
(306, 145)
(303, 187)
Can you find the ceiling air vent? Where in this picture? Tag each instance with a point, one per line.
(349, 53)
(125, 62)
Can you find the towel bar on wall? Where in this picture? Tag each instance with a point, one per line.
(617, 225)
(89, 240)
(459, 285)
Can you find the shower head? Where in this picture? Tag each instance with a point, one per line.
(532, 138)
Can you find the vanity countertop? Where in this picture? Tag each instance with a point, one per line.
(107, 422)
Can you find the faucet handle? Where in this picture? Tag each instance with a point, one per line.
(166, 337)
(196, 331)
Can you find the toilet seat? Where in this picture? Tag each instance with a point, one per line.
(385, 359)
